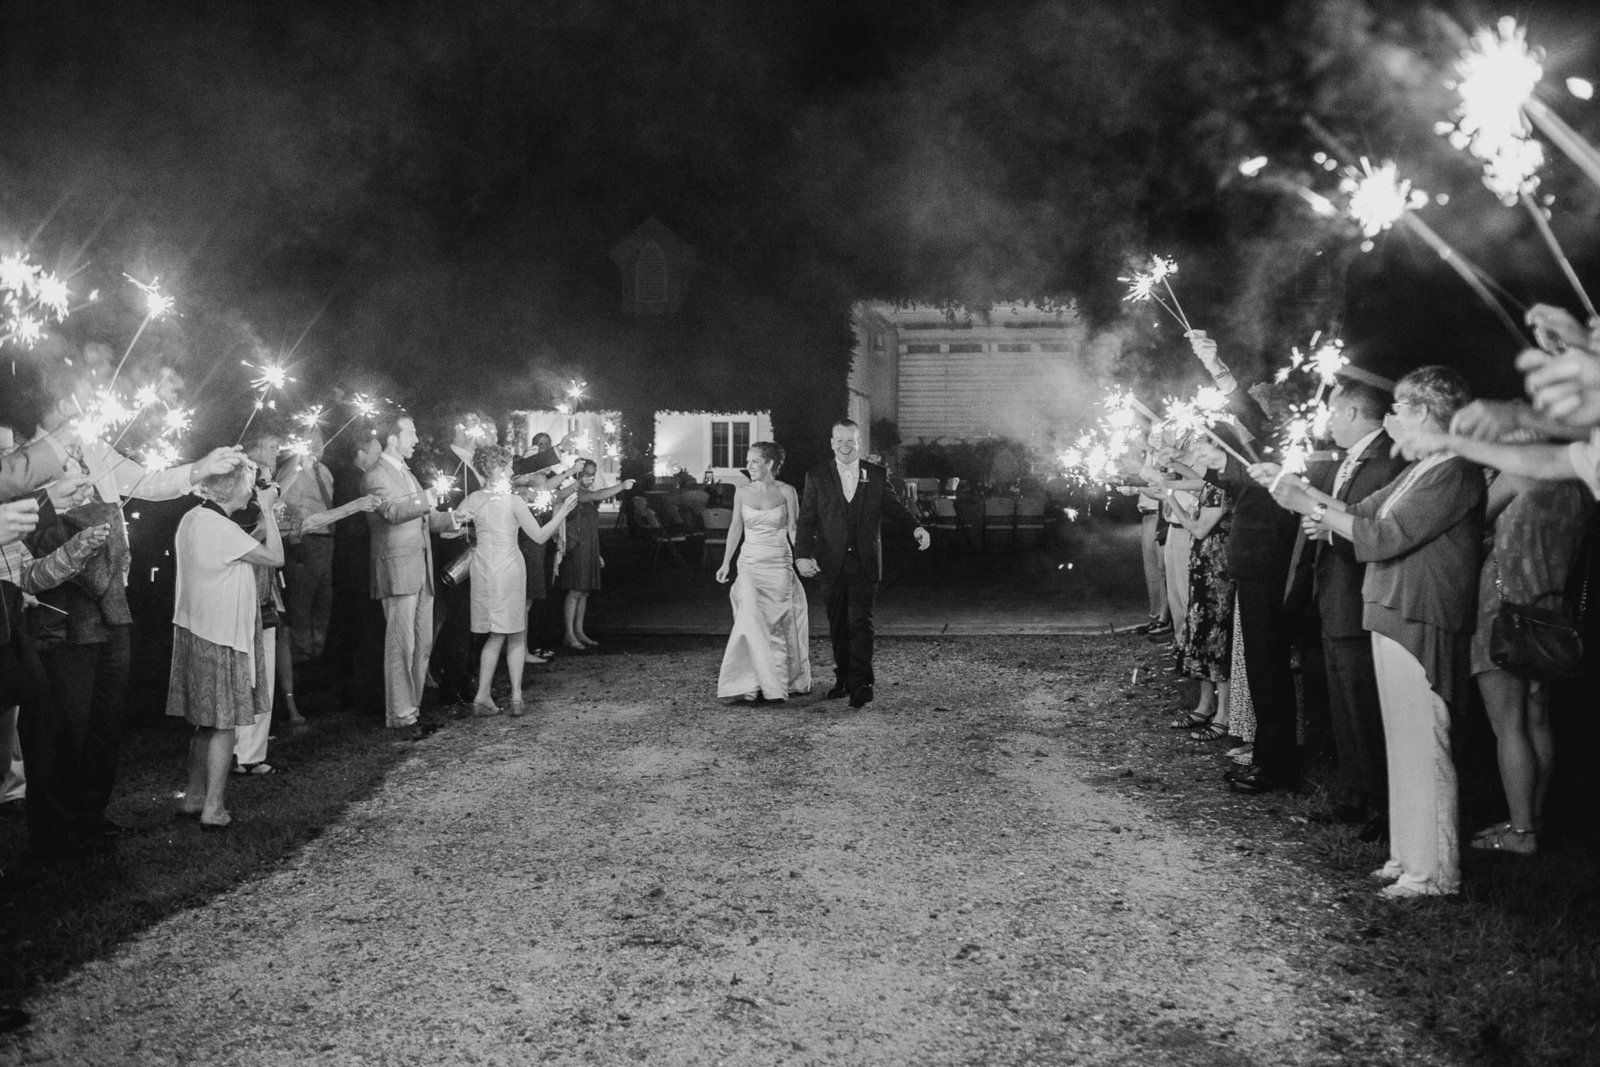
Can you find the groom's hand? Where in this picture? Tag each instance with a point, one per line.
(924, 539)
(808, 568)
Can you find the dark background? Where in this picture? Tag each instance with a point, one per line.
(433, 189)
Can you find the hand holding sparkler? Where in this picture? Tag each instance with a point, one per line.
(69, 490)
(18, 519)
(1564, 387)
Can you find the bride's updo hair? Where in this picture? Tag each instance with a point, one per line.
(771, 452)
(491, 460)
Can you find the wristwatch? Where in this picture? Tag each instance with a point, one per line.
(1318, 511)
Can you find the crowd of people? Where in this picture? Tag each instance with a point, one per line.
(293, 563)
(1352, 604)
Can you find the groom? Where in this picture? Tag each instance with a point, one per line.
(843, 505)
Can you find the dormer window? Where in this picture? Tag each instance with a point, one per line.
(650, 275)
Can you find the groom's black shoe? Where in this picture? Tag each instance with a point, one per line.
(861, 697)
(838, 691)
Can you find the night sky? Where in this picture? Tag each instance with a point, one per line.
(435, 188)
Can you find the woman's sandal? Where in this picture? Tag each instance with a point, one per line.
(1214, 731)
(1507, 839)
(1190, 720)
(517, 709)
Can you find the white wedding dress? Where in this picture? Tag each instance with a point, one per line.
(769, 650)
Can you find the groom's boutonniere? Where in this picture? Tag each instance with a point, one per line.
(863, 471)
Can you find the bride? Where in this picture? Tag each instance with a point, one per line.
(769, 652)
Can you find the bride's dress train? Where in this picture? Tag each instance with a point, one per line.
(769, 651)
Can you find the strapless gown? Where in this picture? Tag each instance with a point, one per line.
(769, 650)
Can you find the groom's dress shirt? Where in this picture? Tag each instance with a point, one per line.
(849, 478)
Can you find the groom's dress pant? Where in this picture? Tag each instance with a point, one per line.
(849, 599)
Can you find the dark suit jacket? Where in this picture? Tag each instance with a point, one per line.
(821, 528)
(1338, 573)
(1262, 538)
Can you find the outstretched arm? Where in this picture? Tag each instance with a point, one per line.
(530, 525)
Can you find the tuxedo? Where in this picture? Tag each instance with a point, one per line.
(402, 578)
(842, 533)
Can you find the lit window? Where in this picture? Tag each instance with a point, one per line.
(730, 442)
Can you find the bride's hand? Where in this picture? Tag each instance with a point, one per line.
(722, 574)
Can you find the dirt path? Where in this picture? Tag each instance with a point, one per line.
(635, 873)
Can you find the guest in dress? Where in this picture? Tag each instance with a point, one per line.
(769, 650)
(219, 664)
(582, 562)
(499, 578)
(1207, 651)
(537, 488)
(1538, 528)
(1418, 536)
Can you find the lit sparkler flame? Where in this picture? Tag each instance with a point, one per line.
(311, 417)
(299, 447)
(575, 390)
(161, 456)
(269, 376)
(1251, 167)
(156, 302)
(364, 405)
(1328, 360)
(54, 296)
(1379, 197)
(443, 485)
(1497, 75)
(177, 420)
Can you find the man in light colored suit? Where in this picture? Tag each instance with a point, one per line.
(402, 568)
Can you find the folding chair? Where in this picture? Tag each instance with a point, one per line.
(999, 523)
(652, 529)
(1030, 520)
(718, 520)
(947, 523)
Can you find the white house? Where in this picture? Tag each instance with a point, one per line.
(596, 433)
(1022, 372)
(701, 441)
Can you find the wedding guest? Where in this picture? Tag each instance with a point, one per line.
(1260, 546)
(250, 740)
(1207, 649)
(219, 676)
(355, 632)
(499, 577)
(1355, 420)
(54, 818)
(453, 634)
(308, 573)
(13, 776)
(402, 569)
(538, 488)
(1418, 536)
(1537, 530)
(582, 562)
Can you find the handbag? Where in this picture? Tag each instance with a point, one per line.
(460, 568)
(1535, 642)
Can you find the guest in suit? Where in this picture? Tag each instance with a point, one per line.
(1355, 421)
(838, 538)
(1420, 537)
(402, 568)
(1259, 550)
(453, 642)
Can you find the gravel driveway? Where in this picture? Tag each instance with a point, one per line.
(637, 873)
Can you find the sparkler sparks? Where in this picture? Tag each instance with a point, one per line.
(157, 303)
(443, 485)
(1379, 197)
(1497, 76)
(1142, 287)
(311, 417)
(30, 297)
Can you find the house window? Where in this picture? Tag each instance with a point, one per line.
(921, 348)
(730, 442)
(967, 347)
(650, 275)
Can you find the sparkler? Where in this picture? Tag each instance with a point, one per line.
(1142, 287)
(269, 376)
(1379, 198)
(1497, 77)
(442, 486)
(32, 296)
(365, 407)
(157, 304)
(311, 417)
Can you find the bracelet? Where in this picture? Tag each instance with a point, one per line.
(1318, 511)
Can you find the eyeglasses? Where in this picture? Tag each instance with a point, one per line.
(1399, 405)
